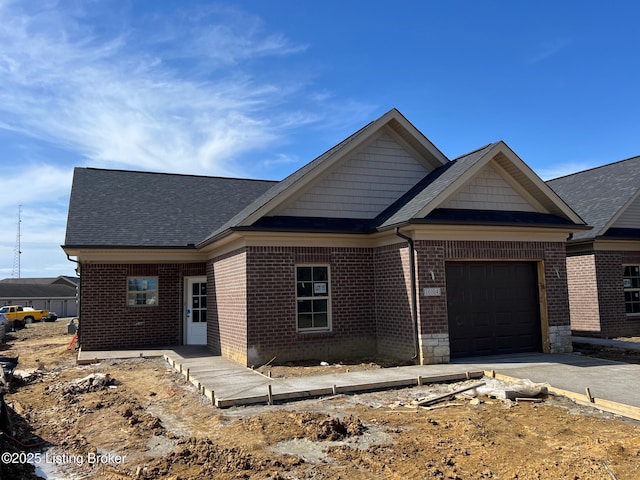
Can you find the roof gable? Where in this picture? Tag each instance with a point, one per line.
(294, 186)
(629, 215)
(492, 189)
(603, 195)
(492, 178)
(363, 183)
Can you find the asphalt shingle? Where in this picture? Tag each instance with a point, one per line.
(117, 208)
(598, 194)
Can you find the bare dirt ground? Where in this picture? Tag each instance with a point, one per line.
(140, 419)
(608, 353)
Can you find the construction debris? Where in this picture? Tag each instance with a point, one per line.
(90, 383)
(441, 398)
(512, 390)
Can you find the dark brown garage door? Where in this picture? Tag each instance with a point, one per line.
(493, 308)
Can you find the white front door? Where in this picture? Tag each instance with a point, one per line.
(196, 310)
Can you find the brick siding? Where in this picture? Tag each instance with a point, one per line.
(394, 325)
(252, 300)
(432, 257)
(583, 293)
(227, 305)
(107, 322)
(271, 305)
(613, 320)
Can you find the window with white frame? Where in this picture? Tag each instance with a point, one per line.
(631, 281)
(142, 291)
(313, 298)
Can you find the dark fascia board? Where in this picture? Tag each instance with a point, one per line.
(370, 226)
(617, 233)
(300, 230)
(316, 224)
(426, 221)
(490, 218)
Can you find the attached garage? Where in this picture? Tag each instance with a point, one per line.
(493, 308)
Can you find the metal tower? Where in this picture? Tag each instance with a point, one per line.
(17, 252)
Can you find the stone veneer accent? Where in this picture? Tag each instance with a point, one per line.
(434, 348)
(560, 339)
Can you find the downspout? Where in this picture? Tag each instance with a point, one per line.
(79, 273)
(414, 298)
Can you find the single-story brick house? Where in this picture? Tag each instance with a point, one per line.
(381, 246)
(603, 264)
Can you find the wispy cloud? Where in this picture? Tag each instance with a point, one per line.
(193, 89)
(121, 98)
(548, 49)
(565, 168)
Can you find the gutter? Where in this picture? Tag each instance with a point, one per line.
(414, 297)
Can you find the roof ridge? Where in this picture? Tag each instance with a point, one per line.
(595, 168)
(475, 151)
(123, 170)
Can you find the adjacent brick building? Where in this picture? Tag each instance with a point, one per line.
(381, 247)
(603, 264)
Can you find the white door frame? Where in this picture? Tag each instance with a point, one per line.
(186, 312)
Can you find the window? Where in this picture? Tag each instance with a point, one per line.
(312, 292)
(199, 302)
(632, 289)
(142, 291)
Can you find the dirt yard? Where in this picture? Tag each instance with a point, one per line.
(140, 419)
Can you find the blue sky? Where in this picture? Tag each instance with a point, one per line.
(259, 88)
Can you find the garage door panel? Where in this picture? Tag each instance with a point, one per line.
(481, 320)
(493, 308)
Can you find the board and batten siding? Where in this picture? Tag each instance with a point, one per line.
(488, 190)
(364, 185)
(630, 218)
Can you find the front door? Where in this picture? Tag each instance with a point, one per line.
(196, 310)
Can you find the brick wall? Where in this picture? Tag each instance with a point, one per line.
(613, 318)
(432, 256)
(227, 305)
(433, 309)
(394, 325)
(107, 322)
(583, 293)
(271, 305)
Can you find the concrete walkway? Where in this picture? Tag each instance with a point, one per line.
(227, 383)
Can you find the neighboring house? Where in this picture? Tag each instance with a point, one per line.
(379, 247)
(57, 294)
(604, 263)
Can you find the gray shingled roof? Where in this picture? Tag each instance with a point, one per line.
(35, 290)
(61, 280)
(599, 193)
(116, 208)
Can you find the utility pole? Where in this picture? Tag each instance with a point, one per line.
(17, 252)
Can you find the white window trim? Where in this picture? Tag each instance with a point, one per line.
(630, 289)
(329, 326)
